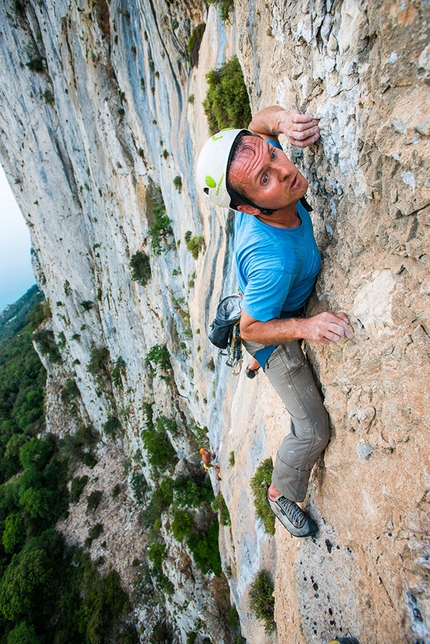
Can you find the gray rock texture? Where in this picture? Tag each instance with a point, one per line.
(85, 142)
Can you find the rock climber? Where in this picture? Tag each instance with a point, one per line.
(277, 263)
(206, 461)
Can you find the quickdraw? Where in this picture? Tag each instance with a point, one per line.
(234, 350)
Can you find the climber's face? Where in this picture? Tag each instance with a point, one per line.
(266, 176)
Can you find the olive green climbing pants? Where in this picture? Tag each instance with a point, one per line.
(290, 374)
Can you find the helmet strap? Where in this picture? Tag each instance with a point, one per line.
(239, 200)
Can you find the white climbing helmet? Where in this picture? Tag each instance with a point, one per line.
(212, 166)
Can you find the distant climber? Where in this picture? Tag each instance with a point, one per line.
(207, 463)
(277, 262)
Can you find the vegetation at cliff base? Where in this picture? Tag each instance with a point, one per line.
(227, 102)
(49, 593)
(259, 481)
(262, 602)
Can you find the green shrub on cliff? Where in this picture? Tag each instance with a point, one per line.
(140, 268)
(161, 228)
(227, 102)
(226, 7)
(262, 602)
(195, 244)
(194, 43)
(259, 481)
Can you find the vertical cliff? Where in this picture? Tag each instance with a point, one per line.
(99, 139)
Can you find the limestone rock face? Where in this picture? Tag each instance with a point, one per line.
(87, 140)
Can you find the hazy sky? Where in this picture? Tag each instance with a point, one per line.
(16, 274)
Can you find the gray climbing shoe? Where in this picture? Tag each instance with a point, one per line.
(292, 517)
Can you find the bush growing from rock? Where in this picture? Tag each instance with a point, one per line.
(118, 371)
(46, 344)
(262, 602)
(182, 524)
(93, 500)
(139, 486)
(194, 43)
(161, 228)
(263, 475)
(77, 487)
(140, 268)
(156, 554)
(227, 102)
(194, 244)
(112, 427)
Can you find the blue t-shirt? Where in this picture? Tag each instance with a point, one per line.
(276, 267)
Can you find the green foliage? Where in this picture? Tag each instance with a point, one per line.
(29, 308)
(191, 493)
(161, 634)
(159, 355)
(95, 531)
(28, 580)
(182, 524)
(46, 344)
(87, 305)
(161, 499)
(79, 446)
(116, 490)
(86, 436)
(10, 463)
(36, 453)
(195, 245)
(99, 365)
(23, 633)
(156, 554)
(161, 454)
(177, 182)
(118, 371)
(36, 65)
(227, 103)
(164, 584)
(205, 549)
(231, 459)
(139, 485)
(48, 592)
(112, 427)
(14, 532)
(161, 229)
(194, 43)
(226, 7)
(48, 96)
(224, 513)
(77, 487)
(202, 436)
(262, 602)
(93, 500)
(70, 391)
(140, 268)
(259, 481)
